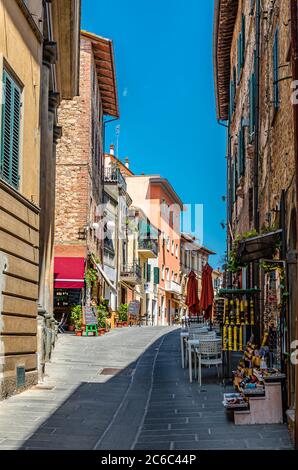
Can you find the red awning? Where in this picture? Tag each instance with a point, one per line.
(69, 273)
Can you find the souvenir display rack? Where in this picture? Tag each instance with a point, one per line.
(253, 380)
(235, 310)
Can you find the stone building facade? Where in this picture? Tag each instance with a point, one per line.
(253, 87)
(80, 164)
(32, 34)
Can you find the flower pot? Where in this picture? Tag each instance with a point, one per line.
(79, 332)
(125, 323)
(71, 328)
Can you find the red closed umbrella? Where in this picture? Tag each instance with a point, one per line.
(192, 297)
(207, 293)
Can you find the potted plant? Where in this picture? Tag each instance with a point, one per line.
(102, 313)
(123, 314)
(76, 319)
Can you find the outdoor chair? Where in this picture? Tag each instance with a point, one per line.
(209, 353)
(62, 323)
(191, 343)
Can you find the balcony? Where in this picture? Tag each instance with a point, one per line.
(114, 176)
(131, 273)
(173, 287)
(148, 248)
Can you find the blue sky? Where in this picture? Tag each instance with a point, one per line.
(163, 54)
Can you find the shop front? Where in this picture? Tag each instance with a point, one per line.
(253, 317)
(69, 283)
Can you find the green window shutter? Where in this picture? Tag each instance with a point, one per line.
(145, 271)
(10, 135)
(233, 182)
(156, 275)
(275, 71)
(148, 272)
(241, 153)
(252, 104)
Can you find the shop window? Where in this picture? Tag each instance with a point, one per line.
(10, 134)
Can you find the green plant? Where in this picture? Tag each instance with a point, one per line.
(90, 276)
(102, 314)
(76, 316)
(123, 312)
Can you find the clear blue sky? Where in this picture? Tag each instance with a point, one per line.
(163, 53)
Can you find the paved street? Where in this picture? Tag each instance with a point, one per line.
(126, 390)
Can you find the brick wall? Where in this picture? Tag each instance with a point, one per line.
(78, 187)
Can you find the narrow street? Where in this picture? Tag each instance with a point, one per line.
(126, 390)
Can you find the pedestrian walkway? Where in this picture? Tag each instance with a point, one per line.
(126, 390)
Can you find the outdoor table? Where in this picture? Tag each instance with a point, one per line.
(192, 343)
(183, 334)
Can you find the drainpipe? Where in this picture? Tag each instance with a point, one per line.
(256, 160)
(294, 40)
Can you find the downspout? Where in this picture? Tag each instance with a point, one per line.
(257, 110)
(256, 273)
(294, 45)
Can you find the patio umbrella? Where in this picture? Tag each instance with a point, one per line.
(192, 298)
(207, 293)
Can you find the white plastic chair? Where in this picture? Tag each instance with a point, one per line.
(191, 343)
(209, 353)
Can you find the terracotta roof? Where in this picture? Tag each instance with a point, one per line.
(123, 169)
(225, 13)
(105, 65)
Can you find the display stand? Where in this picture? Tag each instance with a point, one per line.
(263, 410)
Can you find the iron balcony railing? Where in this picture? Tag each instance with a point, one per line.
(131, 271)
(149, 244)
(114, 176)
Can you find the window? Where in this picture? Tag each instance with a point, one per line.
(163, 272)
(173, 247)
(167, 274)
(172, 276)
(10, 134)
(168, 243)
(177, 251)
(275, 72)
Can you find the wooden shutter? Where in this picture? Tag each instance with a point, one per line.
(10, 135)
(275, 71)
(156, 275)
(148, 272)
(252, 104)
(233, 182)
(241, 153)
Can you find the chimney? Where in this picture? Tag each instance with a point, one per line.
(127, 163)
(112, 149)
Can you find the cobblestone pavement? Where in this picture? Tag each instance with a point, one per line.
(126, 390)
